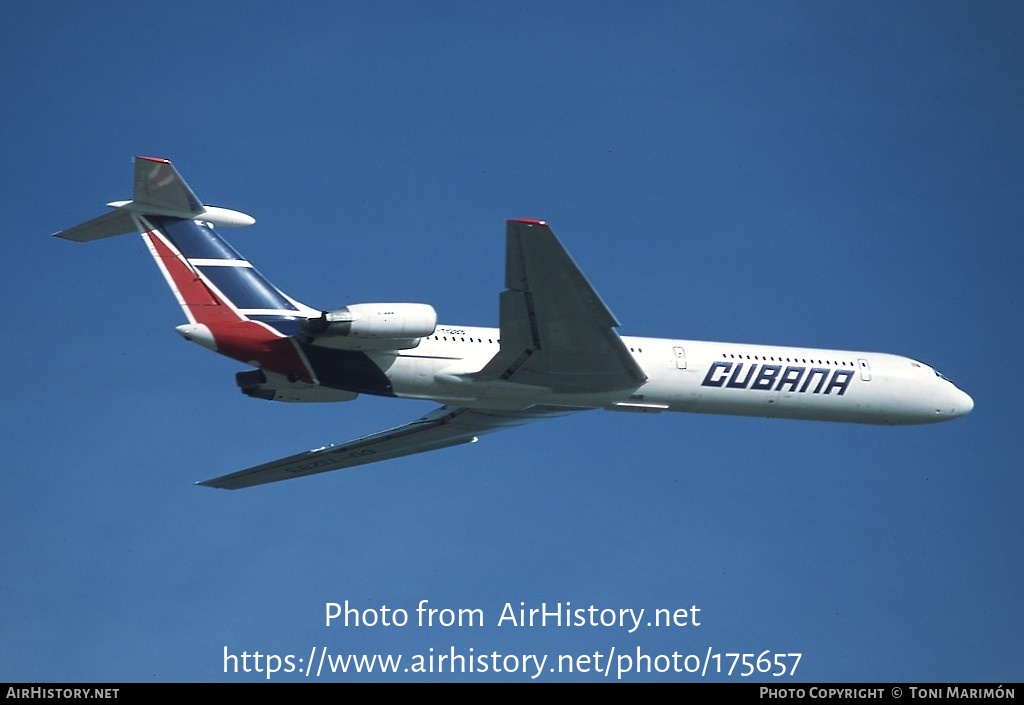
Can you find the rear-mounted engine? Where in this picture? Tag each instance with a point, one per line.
(371, 326)
(260, 384)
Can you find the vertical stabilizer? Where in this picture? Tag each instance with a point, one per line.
(231, 308)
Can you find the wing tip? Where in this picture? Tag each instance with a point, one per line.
(214, 482)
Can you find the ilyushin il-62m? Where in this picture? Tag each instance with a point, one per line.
(555, 351)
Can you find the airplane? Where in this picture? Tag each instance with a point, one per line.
(556, 350)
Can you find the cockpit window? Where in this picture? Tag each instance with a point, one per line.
(940, 375)
(937, 373)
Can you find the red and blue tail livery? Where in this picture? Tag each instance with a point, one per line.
(556, 349)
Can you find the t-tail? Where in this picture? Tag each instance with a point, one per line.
(231, 308)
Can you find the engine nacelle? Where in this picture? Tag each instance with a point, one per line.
(261, 384)
(368, 326)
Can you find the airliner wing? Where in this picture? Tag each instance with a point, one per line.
(555, 330)
(442, 427)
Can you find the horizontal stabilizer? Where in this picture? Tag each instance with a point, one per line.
(117, 222)
(159, 190)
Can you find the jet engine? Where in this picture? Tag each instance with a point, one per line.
(261, 384)
(371, 326)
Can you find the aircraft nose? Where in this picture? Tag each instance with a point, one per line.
(962, 403)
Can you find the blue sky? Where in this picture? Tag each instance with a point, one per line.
(823, 174)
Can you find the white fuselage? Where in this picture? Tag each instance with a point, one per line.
(698, 377)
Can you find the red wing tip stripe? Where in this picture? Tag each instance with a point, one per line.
(529, 221)
(159, 160)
